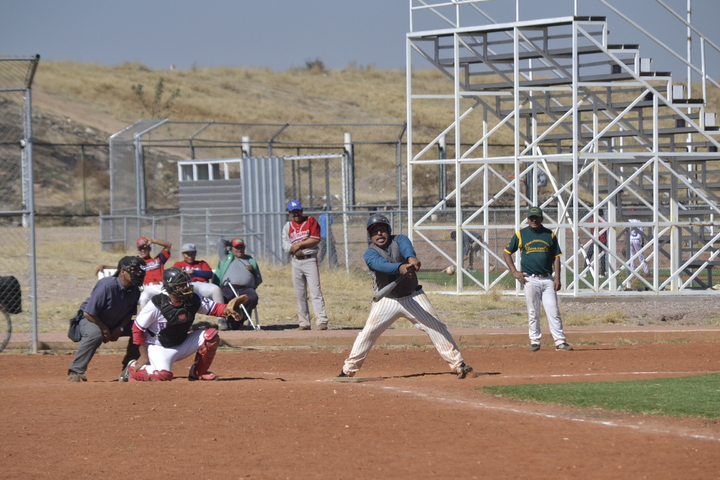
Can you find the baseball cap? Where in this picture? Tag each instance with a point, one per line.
(294, 205)
(237, 241)
(142, 241)
(535, 212)
(188, 247)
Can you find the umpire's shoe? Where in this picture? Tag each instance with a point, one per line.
(76, 377)
(464, 370)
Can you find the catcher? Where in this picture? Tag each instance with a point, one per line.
(162, 331)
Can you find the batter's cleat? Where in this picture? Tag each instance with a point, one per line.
(303, 327)
(322, 326)
(463, 371)
(76, 377)
(564, 347)
(125, 374)
(534, 347)
(204, 377)
(342, 375)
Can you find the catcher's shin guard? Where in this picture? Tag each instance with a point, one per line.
(142, 375)
(205, 356)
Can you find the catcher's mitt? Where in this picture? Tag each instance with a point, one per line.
(234, 308)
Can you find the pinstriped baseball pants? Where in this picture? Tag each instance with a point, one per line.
(416, 308)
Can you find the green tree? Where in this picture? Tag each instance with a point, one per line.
(156, 107)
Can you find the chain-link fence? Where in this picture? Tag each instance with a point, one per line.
(17, 223)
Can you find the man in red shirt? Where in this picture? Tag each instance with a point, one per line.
(155, 267)
(300, 238)
(200, 273)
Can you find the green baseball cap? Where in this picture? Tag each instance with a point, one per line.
(535, 212)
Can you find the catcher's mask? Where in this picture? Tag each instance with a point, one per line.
(135, 266)
(177, 281)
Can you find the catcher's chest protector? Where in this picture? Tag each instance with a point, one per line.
(179, 319)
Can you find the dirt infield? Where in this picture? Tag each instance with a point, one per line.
(273, 415)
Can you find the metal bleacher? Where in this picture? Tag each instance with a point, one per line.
(617, 138)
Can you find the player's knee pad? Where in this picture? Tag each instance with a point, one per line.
(206, 352)
(211, 341)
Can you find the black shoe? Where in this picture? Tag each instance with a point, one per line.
(342, 375)
(463, 371)
(534, 347)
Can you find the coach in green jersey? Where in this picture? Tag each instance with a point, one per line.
(539, 258)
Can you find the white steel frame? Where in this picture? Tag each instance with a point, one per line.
(617, 149)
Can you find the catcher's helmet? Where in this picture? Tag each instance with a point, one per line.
(177, 281)
(377, 218)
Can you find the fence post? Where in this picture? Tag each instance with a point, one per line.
(350, 152)
(442, 169)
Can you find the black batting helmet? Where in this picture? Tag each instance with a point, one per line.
(376, 218)
(175, 280)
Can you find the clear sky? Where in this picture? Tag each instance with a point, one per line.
(278, 34)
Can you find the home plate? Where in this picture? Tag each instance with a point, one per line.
(353, 379)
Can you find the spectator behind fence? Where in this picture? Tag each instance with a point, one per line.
(327, 239)
(470, 247)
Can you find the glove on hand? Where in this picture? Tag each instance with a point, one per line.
(234, 308)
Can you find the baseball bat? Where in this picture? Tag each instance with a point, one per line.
(389, 287)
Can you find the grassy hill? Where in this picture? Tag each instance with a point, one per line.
(85, 103)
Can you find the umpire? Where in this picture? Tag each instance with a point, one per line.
(107, 315)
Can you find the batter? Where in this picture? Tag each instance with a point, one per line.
(539, 257)
(389, 257)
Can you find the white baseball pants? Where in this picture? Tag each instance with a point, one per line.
(542, 290)
(418, 310)
(306, 274)
(162, 358)
(636, 244)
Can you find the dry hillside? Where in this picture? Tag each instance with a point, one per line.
(85, 103)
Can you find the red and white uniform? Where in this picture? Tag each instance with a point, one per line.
(154, 269)
(202, 284)
(200, 265)
(305, 271)
(310, 228)
(150, 322)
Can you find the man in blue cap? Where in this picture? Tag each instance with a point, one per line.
(300, 238)
(539, 258)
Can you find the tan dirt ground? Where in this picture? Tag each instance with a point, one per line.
(272, 415)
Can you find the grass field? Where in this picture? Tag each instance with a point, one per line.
(697, 396)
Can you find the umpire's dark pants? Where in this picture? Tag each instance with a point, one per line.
(89, 343)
